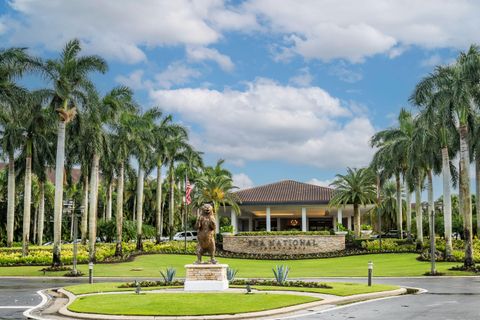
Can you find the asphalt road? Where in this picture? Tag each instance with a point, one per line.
(447, 299)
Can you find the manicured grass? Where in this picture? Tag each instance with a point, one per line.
(106, 287)
(339, 288)
(180, 304)
(396, 265)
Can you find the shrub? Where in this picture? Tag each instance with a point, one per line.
(231, 273)
(297, 283)
(169, 275)
(341, 227)
(284, 233)
(366, 227)
(281, 273)
(226, 229)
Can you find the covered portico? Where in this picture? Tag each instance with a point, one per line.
(287, 205)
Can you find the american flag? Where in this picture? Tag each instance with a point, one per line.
(188, 190)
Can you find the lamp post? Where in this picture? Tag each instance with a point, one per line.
(90, 272)
(370, 273)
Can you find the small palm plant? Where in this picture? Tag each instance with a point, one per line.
(169, 275)
(281, 273)
(231, 273)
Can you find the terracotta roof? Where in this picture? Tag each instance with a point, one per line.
(285, 192)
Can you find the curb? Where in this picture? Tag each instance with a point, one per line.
(267, 313)
(29, 312)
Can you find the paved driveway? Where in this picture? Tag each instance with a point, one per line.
(447, 299)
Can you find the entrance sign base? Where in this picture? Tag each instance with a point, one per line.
(206, 277)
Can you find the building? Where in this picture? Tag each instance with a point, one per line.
(288, 205)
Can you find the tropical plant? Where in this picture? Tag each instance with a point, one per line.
(169, 275)
(69, 76)
(231, 273)
(280, 273)
(356, 187)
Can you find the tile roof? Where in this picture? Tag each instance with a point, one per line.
(285, 192)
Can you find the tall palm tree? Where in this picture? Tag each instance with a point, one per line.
(143, 136)
(14, 63)
(356, 187)
(396, 143)
(433, 96)
(69, 75)
(176, 146)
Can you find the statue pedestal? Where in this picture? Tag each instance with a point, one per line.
(206, 277)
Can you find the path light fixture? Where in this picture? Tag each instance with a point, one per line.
(90, 272)
(370, 273)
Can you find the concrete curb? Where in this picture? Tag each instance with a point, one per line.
(29, 312)
(328, 301)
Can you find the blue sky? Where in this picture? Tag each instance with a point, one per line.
(281, 89)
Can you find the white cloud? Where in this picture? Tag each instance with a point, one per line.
(322, 183)
(134, 80)
(202, 53)
(303, 79)
(268, 121)
(435, 60)
(176, 73)
(341, 71)
(354, 30)
(122, 30)
(242, 181)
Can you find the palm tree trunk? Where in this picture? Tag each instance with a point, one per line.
(409, 211)
(134, 213)
(35, 225)
(58, 203)
(92, 219)
(399, 206)
(171, 202)
(140, 178)
(467, 201)
(41, 213)
(119, 211)
(84, 226)
(431, 211)
(477, 192)
(447, 203)
(419, 213)
(109, 201)
(356, 220)
(11, 199)
(159, 202)
(27, 205)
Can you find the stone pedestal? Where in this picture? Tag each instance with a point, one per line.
(206, 277)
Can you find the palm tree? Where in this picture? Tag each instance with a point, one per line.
(143, 136)
(69, 76)
(396, 143)
(433, 96)
(14, 63)
(176, 146)
(37, 151)
(356, 187)
(215, 186)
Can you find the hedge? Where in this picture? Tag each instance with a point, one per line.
(284, 233)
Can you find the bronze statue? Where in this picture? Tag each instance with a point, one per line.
(206, 234)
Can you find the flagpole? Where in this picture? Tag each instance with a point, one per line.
(185, 212)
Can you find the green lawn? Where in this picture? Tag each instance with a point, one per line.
(167, 304)
(339, 288)
(400, 264)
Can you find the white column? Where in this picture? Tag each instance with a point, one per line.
(334, 223)
(279, 222)
(233, 221)
(339, 217)
(349, 223)
(250, 223)
(304, 219)
(269, 228)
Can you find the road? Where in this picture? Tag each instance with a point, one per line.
(447, 299)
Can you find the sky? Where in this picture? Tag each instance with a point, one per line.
(280, 89)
